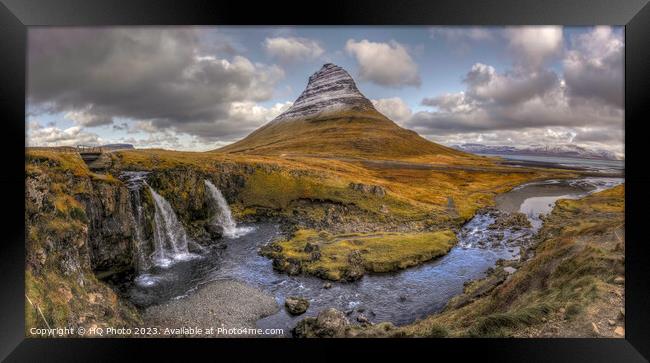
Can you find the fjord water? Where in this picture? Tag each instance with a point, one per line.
(400, 297)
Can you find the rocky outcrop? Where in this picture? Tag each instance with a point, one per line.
(329, 89)
(369, 189)
(330, 323)
(513, 221)
(296, 305)
(110, 237)
(65, 211)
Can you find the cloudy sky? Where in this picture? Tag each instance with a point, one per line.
(198, 88)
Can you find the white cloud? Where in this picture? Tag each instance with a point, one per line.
(594, 68)
(512, 87)
(534, 45)
(461, 33)
(525, 106)
(386, 64)
(450, 102)
(243, 117)
(37, 135)
(394, 108)
(86, 117)
(293, 49)
(159, 75)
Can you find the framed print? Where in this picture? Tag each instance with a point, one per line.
(469, 174)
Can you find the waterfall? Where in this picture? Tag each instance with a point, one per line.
(224, 216)
(134, 182)
(170, 238)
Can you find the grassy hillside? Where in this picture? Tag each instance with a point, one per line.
(435, 188)
(366, 134)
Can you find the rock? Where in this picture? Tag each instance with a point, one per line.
(509, 270)
(368, 189)
(595, 329)
(327, 285)
(562, 311)
(296, 305)
(611, 322)
(214, 231)
(620, 331)
(310, 247)
(356, 269)
(293, 267)
(330, 323)
(314, 256)
(363, 319)
(514, 221)
(619, 280)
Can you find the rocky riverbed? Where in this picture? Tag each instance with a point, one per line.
(226, 304)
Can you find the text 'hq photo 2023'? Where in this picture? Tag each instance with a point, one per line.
(301, 181)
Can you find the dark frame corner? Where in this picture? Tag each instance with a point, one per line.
(17, 15)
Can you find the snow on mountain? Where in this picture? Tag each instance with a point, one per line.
(329, 89)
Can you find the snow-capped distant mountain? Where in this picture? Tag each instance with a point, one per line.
(566, 150)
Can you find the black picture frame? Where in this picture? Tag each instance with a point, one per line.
(17, 15)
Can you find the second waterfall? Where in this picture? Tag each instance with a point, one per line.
(224, 216)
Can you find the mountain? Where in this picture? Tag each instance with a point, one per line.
(332, 117)
(117, 147)
(564, 150)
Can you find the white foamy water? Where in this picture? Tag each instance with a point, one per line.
(224, 216)
(170, 238)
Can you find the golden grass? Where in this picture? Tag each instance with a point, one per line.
(577, 258)
(354, 133)
(419, 192)
(380, 252)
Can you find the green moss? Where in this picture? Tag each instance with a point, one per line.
(375, 252)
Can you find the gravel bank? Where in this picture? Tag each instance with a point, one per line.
(227, 304)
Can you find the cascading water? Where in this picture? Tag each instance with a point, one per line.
(224, 216)
(134, 182)
(170, 238)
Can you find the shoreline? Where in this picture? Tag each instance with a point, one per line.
(228, 304)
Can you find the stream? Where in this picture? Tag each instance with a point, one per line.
(400, 297)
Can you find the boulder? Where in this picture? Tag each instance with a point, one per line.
(330, 323)
(356, 269)
(296, 305)
(363, 319)
(375, 190)
(214, 231)
(514, 221)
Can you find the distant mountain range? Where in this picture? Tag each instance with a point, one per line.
(566, 150)
(117, 146)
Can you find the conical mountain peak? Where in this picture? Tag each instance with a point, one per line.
(331, 117)
(331, 88)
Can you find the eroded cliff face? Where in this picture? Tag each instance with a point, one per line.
(74, 224)
(110, 238)
(82, 225)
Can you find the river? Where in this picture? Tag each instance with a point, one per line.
(400, 297)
